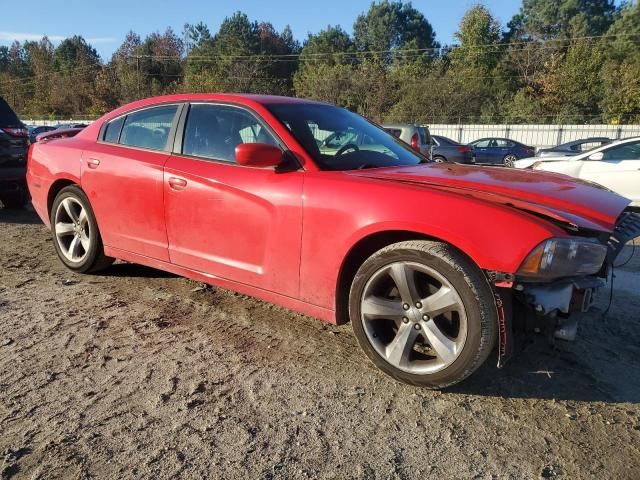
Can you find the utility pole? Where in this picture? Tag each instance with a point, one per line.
(138, 74)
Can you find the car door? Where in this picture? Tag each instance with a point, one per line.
(482, 150)
(618, 168)
(123, 175)
(500, 149)
(235, 222)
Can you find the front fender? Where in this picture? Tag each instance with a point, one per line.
(496, 237)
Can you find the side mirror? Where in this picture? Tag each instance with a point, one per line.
(258, 155)
(596, 156)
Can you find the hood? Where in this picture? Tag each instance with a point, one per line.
(575, 203)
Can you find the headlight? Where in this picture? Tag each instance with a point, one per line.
(563, 257)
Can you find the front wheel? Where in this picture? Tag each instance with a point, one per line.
(423, 313)
(75, 232)
(439, 159)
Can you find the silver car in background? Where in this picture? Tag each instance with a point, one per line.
(418, 136)
(576, 147)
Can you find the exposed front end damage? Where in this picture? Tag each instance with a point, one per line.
(554, 306)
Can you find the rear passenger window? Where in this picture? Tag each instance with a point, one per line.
(149, 128)
(214, 131)
(112, 131)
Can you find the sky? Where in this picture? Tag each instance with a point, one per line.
(104, 24)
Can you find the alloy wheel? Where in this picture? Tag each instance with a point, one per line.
(414, 317)
(72, 230)
(510, 160)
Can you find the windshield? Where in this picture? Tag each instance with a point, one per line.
(340, 140)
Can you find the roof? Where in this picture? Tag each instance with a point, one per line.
(400, 125)
(250, 100)
(231, 97)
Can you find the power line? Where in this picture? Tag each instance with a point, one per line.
(49, 74)
(393, 51)
(351, 57)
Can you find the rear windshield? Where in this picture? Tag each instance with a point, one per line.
(8, 118)
(425, 135)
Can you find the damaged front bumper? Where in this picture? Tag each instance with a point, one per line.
(554, 307)
(551, 308)
(558, 300)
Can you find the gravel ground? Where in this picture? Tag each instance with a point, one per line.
(140, 374)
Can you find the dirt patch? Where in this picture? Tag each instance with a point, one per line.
(140, 374)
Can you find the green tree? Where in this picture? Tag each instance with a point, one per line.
(627, 27)
(479, 35)
(39, 58)
(14, 71)
(72, 51)
(621, 98)
(126, 66)
(76, 64)
(553, 19)
(572, 88)
(195, 35)
(392, 25)
(160, 62)
(240, 58)
(325, 71)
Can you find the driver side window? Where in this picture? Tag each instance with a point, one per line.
(214, 132)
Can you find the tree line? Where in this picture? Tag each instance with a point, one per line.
(557, 61)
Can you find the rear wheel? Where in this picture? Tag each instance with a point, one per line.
(423, 313)
(75, 232)
(510, 160)
(439, 159)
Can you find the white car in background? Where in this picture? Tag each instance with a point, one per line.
(615, 166)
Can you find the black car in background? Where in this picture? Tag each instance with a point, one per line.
(14, 143)
(37, 130)
(447, 150)
(576, 147)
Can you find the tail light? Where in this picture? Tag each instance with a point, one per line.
(16, 132)
(464, 149)
(415, 142)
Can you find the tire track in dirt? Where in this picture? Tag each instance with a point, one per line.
(138, 374)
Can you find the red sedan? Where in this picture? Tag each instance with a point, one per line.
(314, 208)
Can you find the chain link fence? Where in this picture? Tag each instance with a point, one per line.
(538, 136)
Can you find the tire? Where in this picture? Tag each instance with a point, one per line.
(509, 160)
(439, 159)
(15, 200)
(69, 224)
(467, 331)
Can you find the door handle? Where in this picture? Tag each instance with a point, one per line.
(177, 183)
(93, 163)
